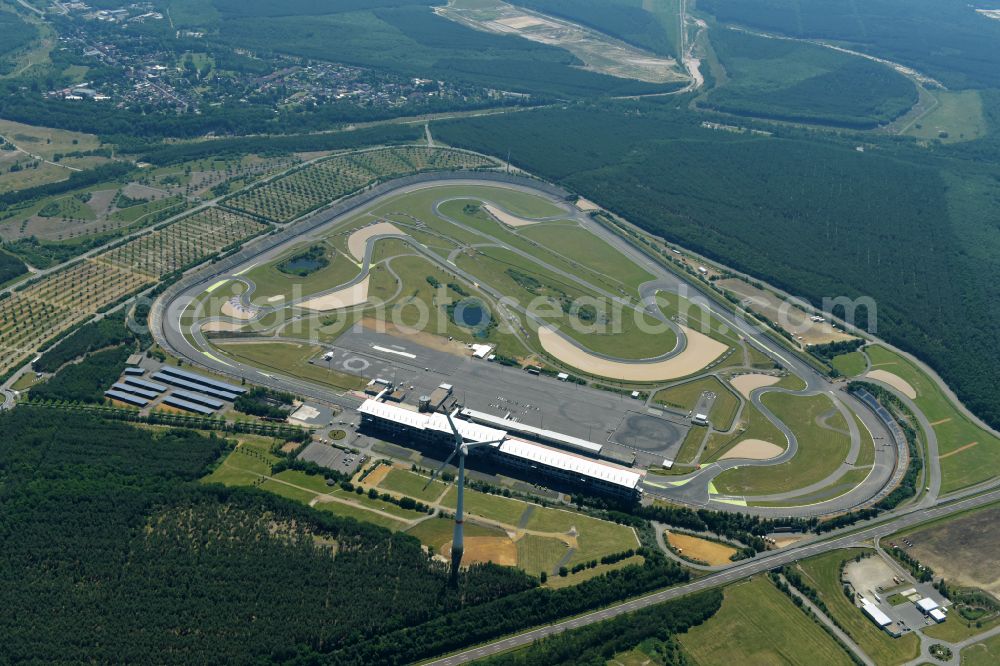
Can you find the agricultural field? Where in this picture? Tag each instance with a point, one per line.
(758, 624)
(822, 573)
(963, 549)
(823, 447)
(314, 186)
(968, 454)
(50, 306)
(183, 243)
(57, 301)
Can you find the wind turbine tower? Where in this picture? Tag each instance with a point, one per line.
(461, 450)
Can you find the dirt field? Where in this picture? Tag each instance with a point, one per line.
(357, 241)
(506, 218)
(499, 550)
(753, 449)
(701, 549)
(869, 574)
(598, 51)
(965, 550)
(376, 477)
(342, 298)
(701, 350)
(746, 384)
(895, 381)
(790, 318)
(586, 205)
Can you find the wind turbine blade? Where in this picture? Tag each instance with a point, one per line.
(438, 470)
(458, 435)
(495, 441)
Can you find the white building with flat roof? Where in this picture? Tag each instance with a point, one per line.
(873, 612)
(596, 475)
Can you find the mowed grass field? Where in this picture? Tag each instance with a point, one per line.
(755, 426)
(821, 450)
(46, 141)
(985, 653)
(595, 538)
(250, 465)
(968, 454)
(437, 532)
(758, 624)
(412, 485)
(632, 335)
(586, 248)
(290, 358)
(850, 364)
(270, 281)
(685, 396)
(822, 573)
(958, 116)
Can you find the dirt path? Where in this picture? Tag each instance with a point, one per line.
(322, 498)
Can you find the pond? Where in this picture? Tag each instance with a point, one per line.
(471, 313)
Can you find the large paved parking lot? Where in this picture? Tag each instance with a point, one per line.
(598, 416)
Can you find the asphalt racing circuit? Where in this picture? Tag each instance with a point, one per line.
(653, 434)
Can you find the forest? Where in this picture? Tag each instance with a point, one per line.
(87, 380)
(15, 34)
(786, 80)
(909, 227)
(10, 267)
(598, 643)
(98, 518)
(98, 523)
(109, 331)
(945, 39)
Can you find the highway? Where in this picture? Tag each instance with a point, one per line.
(759, 564)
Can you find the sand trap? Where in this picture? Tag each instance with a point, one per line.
(507, 218)
(895, 381)
(753, 449)
(499, 550)
(275, 299)
(746, 384)
(233, 308)
(359, 239)
(586, 205)
(701, 350)
(220, 326)
(342, 298)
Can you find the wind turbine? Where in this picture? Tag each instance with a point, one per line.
(461, 450)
